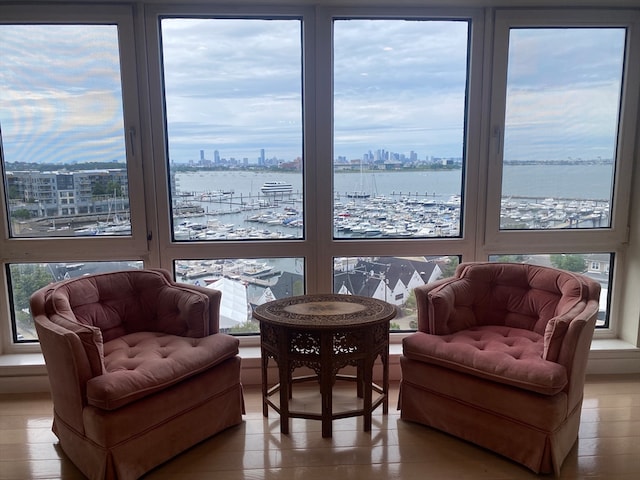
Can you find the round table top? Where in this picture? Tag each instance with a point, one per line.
(325, 311)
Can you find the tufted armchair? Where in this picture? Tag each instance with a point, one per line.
(137, 368)
(499, 359)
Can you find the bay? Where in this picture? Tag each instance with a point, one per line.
(577, 182)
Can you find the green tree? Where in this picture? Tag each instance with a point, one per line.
(570, 262)
(14, 193)
(21, 214)
(511, 258)
(246, 327)
(298, 287)
(26, 279)
(107, 188)
(449, 268)
(411, 304)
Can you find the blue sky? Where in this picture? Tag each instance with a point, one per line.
(235, 86)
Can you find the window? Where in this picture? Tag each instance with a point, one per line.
(233, 101)
(399, 127)
(72, 185)
(559, 172)
(561, 123)
(63, 130)
(279, 150)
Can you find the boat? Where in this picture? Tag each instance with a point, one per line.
(358, 194)
(215, 195)
(278, 187)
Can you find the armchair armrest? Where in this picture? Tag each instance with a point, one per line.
(68, 367)
(214, 296)
(445, 306)
(422, 302)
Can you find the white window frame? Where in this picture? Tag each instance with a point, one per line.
(142, 91)
(318, 247)
(602, 240)
(95, 248)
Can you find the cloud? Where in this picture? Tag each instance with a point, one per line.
(235, 85)
(61, 97)
(563, 95)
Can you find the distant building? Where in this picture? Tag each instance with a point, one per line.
(288, 285)
(66, 193)
(386, 278)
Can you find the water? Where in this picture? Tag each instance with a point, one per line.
(403, 211)
(588, 182)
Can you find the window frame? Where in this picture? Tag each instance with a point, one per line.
(601, 240)
(93, 248)
(465, 244)
(174, 250)
(480, 236)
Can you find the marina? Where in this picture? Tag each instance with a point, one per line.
(269, 206)
(387, 216)
(378, 204)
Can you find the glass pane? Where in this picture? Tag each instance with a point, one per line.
(244, 283)
(61, 131)
(598, 266)
(391, 279)
(26, 278)
(233, 92)
(561, 120)
(399, 127)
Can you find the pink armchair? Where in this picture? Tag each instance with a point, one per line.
(499, 359)
(137, 368)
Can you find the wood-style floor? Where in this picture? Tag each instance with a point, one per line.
(608, 447)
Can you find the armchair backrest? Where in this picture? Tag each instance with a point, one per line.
(124, 302)
(506, 294)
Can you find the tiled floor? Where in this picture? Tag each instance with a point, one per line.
(608, 448)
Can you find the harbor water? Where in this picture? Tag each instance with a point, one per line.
(229, 205)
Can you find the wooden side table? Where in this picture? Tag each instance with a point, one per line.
(325, 332)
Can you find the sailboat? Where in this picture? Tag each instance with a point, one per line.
(359, 193)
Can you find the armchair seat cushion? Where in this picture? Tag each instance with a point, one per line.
(143, 363)
(506, 355)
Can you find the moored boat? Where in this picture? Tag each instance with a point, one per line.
(278, 187)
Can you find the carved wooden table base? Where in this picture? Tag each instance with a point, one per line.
(325, 332)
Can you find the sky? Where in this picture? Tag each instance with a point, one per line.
(236, 86)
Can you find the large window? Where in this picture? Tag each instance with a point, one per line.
(271, 151)
(72, 185)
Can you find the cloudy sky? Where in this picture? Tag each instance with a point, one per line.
(236, 86)
(60, 94)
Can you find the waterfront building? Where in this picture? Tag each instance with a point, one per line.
(63, 193)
